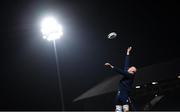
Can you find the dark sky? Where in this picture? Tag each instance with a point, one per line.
(28, 78)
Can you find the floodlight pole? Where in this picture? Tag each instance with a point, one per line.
(59, 76)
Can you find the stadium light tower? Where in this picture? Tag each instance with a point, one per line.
(51, 31)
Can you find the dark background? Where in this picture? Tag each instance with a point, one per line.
(28, 79)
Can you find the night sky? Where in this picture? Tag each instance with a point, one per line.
(28, 78)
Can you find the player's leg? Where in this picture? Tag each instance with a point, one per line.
(126, 108)
(119, 108)
(118, 104)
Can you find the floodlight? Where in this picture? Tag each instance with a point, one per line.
(51, 29)
(178, 77)
(138, 87)
(154, 83)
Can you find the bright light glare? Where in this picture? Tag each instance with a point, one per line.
(51, 29)
(137, 87)
(154, 83)
(178, 77)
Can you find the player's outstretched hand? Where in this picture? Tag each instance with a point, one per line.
(128, 50)
(109, 65)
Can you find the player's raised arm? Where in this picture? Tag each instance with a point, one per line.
(126, 63)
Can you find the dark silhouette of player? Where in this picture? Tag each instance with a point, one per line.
(125, 85)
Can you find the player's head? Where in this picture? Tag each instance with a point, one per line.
(132, 70)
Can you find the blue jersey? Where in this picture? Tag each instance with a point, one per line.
(125, 85)
(127, 81)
